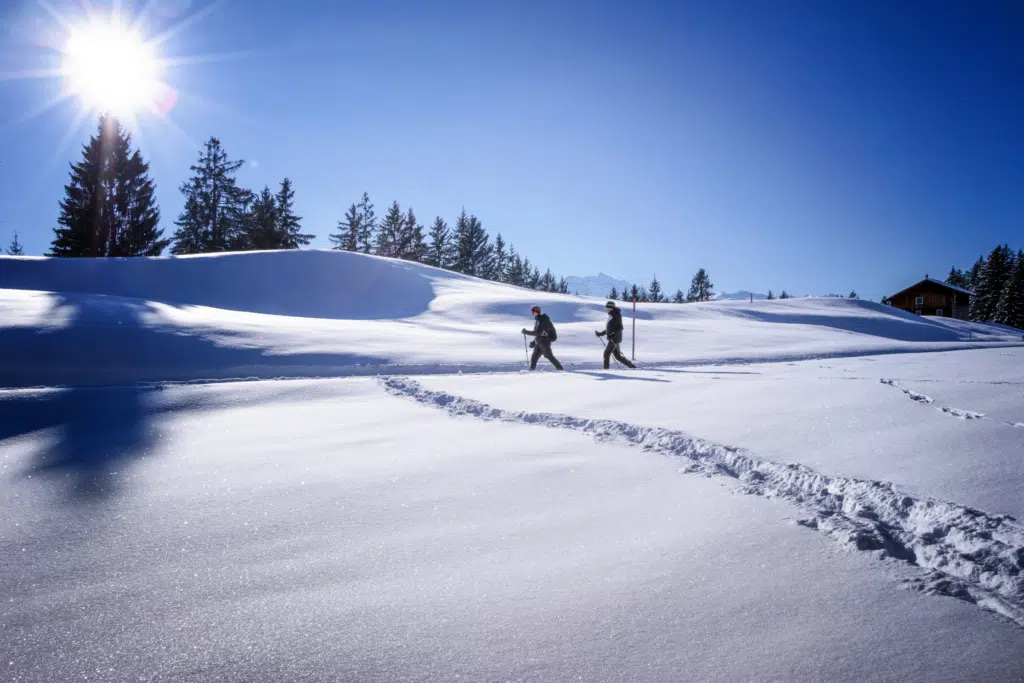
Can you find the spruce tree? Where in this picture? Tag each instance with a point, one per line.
(853, 295)
(15, 247)
(679, 298)
(627, 293)
(535, 279)
(784, 295)
(412, 246)
(514, 275)
(214, 217)
(109, 208)
(989, 287)
(654, 293)
(474, 255)
(366, 237)
(771, 295)
(957, 278)
(289, 226)
(614, 294)
(974, 276)
(439, 250)
(547, 282)
(500, 260)
(1010, 309)
(261, 224)
(700, 287)
(347, 237)
(563, 286)
(389, 235)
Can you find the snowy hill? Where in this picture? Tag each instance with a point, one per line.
(855, 514)
(328, 313)
(595, 285)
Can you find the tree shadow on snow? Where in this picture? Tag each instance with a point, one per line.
(102, 340)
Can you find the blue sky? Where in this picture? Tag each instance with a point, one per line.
(811, 146)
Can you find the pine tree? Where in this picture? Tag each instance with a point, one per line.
(514, 274)
(771, 295)
(654, 293)
(563, 286)
(474, 254)
(440, 248)
(535, 279)
(109, 208)
(261, 224)
(500, 260)
(366, 237)
(347, 237)
(214, 215)
(412, 246)
(15, 248)
(389, 235)
(974, 276)
(700, 287)
(989, 287)
(679, 298)
(288, 224)
(957, 278)
(547, 282)
(614, 294)
(784, 295)
(627, 293)
(853, 295)
(1010, 310)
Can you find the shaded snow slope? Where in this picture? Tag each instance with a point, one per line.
(325, 313)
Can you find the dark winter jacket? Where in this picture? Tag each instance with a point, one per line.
(614, 326)
(542, 326)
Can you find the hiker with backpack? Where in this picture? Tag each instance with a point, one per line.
(543, 334)
(613, 330)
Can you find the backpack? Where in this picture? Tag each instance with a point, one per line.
(552, 332)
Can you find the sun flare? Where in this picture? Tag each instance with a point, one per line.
(111, 68)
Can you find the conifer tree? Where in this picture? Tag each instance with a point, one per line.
(654, 293)
(109, 208)
(700, 287)
(261, 224)
(347, 237)
(784, 295)
(614, 294)
(679, 298)
(411, 246)
(500, 260)
(439, 250)
(627, 293)
(366, 237)
(957, 278)
(289, 225)
(547, 282)
(989, 287)
(853, 295)
(535, 278)
(475, 253)
(974, 275)
(389, 235)
(1010, 309)
(15, 247)
(563, 286)
(214, 215)
(771, 295)
(514, 275)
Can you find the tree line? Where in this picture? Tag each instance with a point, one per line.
(109, 209)
(701, 289)
(997, 282)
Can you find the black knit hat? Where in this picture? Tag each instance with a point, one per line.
(610, 304)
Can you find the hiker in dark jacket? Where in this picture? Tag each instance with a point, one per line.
(613, 330)
(543, 334)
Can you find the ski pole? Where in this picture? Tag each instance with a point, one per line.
(526, 348)
(605, 344)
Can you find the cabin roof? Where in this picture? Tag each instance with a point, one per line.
(936, 282)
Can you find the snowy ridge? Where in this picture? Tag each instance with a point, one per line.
(968, 554)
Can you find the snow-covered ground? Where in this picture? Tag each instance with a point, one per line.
(853, 516)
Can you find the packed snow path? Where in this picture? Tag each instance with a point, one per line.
(971, 555)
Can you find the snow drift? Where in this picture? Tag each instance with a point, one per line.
(327, 313)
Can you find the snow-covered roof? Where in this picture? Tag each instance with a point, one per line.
(938, 282)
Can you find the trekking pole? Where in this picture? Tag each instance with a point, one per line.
(605, 344)
(526, 348)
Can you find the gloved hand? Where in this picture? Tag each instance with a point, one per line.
(533, 344)
(598, 333)
(525, 330)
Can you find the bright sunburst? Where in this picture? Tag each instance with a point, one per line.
(111, 68)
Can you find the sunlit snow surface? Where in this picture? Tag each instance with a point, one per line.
(836, 519)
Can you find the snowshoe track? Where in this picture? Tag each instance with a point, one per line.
(966, 553)
(921, 398)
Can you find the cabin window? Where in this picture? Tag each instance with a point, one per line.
(938, 312)
(919, 301)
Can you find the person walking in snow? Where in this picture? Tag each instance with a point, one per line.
(613, 330)
(543, 334)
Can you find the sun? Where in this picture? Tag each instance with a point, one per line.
(111, 68)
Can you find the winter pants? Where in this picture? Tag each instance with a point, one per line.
(543, 348)
(612, 347)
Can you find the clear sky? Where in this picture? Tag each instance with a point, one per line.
(805, 145)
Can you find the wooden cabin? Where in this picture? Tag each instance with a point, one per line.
(933, 297)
